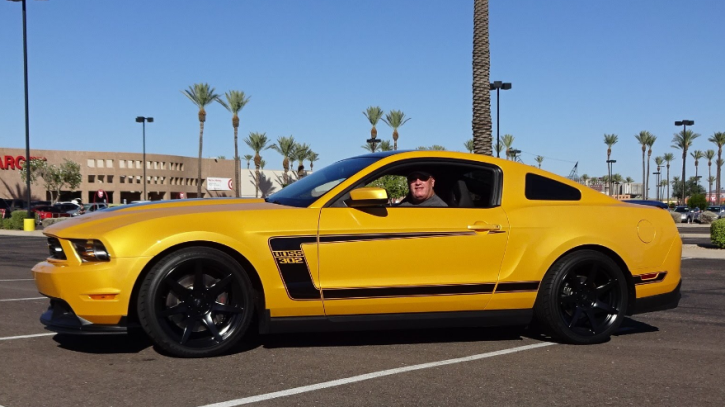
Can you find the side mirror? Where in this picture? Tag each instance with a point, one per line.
(368, 197)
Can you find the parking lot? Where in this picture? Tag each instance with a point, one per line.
(675, 357)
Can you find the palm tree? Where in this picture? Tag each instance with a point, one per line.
(468, 144)
(312, 157)
(374, 114)
(650, 142)
(683, 141)
(300, 154)
(248, 157)
(584, 178)
(498, 147)
(481, 124)
(669, 157)
(697, 154)
(507, 141)
(385, 145)
(709, 154)
(236, 100)
(659, 161)
(201, 95)
(719, 139)
(610, 140)
(285, 146)
(539, 159)
(257, 142)
(710, 181)
(395, 119)
(642, 139)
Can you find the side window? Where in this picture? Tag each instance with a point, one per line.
(480, 185)
(540, 188)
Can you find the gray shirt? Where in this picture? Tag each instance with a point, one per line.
(433, 201)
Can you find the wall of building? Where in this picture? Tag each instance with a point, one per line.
(120, 176)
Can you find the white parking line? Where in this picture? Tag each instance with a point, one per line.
(374, 375)
(25, 299)
(9, 338)
(17, 279)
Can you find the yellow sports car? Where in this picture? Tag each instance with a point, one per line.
(387, 239)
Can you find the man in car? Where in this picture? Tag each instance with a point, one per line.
(420, 184)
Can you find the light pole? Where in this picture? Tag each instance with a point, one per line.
(657, 173)
(27, 117)
(610, 164)
(498, 85)
(141, 119)
(684, 124)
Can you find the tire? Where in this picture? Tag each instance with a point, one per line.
(196, 302)
(583, 298)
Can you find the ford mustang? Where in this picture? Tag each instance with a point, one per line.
(510, 244)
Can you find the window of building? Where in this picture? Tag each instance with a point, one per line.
(99, 163)
(91, 163)
(91, 179)
(101, 178)
(122, 179)
(109, 179)
(109, 163)
(122, 163)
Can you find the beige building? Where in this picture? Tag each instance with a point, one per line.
(119, 176)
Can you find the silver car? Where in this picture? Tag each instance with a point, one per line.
(684, 211)
(717, 210)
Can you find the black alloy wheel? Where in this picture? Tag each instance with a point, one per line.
(583, 298)
(196, 302)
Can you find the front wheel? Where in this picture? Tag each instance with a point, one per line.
(196, 302)
(583, 298)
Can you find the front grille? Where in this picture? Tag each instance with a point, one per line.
(55, 249)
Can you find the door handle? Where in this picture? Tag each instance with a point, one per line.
(483, 227)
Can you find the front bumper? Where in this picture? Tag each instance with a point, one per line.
(59, 317)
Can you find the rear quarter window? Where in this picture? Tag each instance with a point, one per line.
(539, 188)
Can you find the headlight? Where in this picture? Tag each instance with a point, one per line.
(91, 250)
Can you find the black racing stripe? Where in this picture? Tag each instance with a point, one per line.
(408, 291)
(523, 286)
(388, 236)
(296, 276)
(638, 279)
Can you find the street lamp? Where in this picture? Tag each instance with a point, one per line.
(29, 214)
(684, 124)
(141, 119)
(610, 164)
(498, 85)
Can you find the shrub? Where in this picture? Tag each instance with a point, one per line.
(52, 221)
(676, 216)
(717, 233)
(708, 217)
(697, 201)
(16, 220)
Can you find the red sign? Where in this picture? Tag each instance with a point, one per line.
(14, 163)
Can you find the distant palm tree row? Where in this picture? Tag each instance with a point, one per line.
(682, 141)
(202, 95)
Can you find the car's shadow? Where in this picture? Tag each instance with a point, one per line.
(122, 344)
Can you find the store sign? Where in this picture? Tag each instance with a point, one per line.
(219, 184)
(9, 162)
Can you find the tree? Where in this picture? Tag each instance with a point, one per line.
(650, 142)
(285, 147)
(257, 142)
(709, 154)
(201, 95)
(669, 157)
(395, 185)
(481, 124)
(610, 140)
(642, 139)
(710, 181)
(434, 147)
(301, 152)
(539, 159)
(498, 147)
(719, 139)
(248, 157)
(312, 157)
(385, 145)
(468, 144)
(373, 114)
(56, 178)
(691, 187)
(683, 141)
(584, 179)
(697, 155)
(395, 119)
(508, 141)
(659, 161)
(236, 100)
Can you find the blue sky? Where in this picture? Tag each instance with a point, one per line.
(579, 69)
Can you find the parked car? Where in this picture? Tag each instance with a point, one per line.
(506, 243)
(92, 207)
(717, 210)
(48, 211)
(68, 207)
(683, 211)
(647, 202)
(5, 207)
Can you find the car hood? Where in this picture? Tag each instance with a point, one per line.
(102, 221)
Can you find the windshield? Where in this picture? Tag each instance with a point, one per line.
(308, 189)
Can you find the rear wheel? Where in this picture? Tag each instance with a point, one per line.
(196, 302)
(583, 298)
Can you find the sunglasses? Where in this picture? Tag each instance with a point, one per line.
(422, 177)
